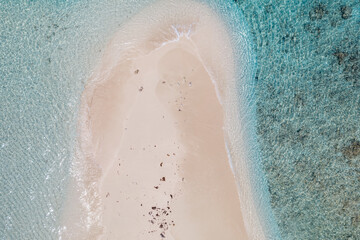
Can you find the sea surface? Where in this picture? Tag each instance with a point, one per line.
(308, 112)
(304, 73)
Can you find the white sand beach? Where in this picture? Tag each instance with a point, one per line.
(153, 121)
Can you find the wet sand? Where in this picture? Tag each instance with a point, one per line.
(153, 122)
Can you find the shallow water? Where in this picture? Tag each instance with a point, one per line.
(45, 61)
(48, 51)
(307, 98)
(308, 111)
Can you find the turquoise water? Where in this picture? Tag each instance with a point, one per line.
(47, 50)
(308, 111)
(307, 97)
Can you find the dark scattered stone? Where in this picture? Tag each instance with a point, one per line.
(289, 37)
(316, 31)
(340, 56)
(355, 220)
(317, 12)
(269, 8)
(353, 150)
(299, 100)
(345, 12)
(301, 135)
(351, 69)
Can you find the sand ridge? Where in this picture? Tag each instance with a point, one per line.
(152, 120)
(149, 181)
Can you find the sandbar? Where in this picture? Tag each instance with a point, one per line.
(152, 120)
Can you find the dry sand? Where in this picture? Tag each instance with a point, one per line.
(152, 121)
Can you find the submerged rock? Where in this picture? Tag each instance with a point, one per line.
(318, 12)
(340, 56)
(345, 12)
(353, 150)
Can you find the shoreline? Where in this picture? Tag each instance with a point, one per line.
(170, 97)
(111, 107)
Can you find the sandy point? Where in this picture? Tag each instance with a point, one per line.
(152, 121)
